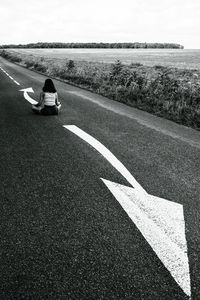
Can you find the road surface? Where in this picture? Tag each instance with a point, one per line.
(64, 232)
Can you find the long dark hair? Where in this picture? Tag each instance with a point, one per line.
(49, 86)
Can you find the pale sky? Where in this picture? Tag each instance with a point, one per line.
(26, 21)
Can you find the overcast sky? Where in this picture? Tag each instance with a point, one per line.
(26, 21)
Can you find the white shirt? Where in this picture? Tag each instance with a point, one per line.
(50, 98)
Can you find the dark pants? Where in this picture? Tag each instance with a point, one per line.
(49, 110)
(46, 110)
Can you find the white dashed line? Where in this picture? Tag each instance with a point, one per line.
(10, 76)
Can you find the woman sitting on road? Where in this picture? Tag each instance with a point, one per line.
(48, 104)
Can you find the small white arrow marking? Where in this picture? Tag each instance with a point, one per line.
(160, 221)
(27, 97)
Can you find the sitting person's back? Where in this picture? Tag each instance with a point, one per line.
(48, 104)
(50, 98)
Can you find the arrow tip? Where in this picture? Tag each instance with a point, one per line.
(28, 90)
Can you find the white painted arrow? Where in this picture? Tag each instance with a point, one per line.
(108, 155)
(160, 221)
(27, 97)
(162, 224)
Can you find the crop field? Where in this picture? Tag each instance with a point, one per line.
(178, 58)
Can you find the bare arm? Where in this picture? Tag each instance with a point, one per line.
(57, 102)
(41, 101)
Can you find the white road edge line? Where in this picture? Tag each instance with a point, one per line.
(10, 76)
(108, 155)
(16, 82)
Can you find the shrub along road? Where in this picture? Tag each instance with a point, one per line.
(63, 234)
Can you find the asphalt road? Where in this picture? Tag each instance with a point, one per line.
(63, 234)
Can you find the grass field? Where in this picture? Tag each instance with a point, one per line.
(179, 58)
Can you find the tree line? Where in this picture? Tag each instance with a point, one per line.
(97, 45)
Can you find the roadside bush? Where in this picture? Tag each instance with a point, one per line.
(15, 59)
(29, 63)
(10, 56)
(136, 64)
(40, 68)
(70, 65)
(116, 69)
(5, 54)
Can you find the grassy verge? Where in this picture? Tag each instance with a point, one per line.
(167, 92)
